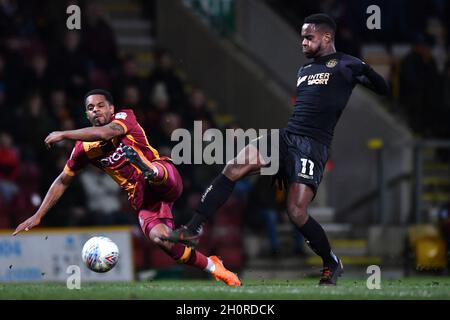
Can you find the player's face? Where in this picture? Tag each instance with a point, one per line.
(98, 110)
(312, 40)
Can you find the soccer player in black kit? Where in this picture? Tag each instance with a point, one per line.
(324, 86)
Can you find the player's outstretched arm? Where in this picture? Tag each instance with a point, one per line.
(55, 192)
(106, 132)
(368, 77)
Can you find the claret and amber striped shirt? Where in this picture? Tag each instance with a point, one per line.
(109, 157)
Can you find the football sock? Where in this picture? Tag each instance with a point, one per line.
(189, 256)
(210, 267)
(212, 199)
(177, 251)
(318, 241)
(198, 260)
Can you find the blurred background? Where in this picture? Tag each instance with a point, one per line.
(385, 195)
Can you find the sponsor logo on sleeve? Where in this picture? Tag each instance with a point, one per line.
(121, 115)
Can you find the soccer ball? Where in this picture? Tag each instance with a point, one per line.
(100, 254)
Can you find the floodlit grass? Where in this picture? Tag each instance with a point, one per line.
(304, 289)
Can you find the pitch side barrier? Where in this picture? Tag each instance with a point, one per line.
(54, 254)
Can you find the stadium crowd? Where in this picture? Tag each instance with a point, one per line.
(45, 70)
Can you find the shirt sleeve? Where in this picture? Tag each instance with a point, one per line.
(77, 160)
(358, 72)
(126, 119)
(373, 81)
(351, 67)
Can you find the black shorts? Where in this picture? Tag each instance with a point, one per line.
(301, 159)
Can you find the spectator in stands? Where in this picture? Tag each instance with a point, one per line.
(35, 125)
(2, 79)
(418, 14)
(446, 21)
(59, 107)
(419, 86)
(6, 123)
(9, 13)
(164, 72)
(196, 109)
(49, 23)
(103, 197)
(129, 75)
(159, 104)
(445, 110)
(7, 106)
(131, 98)
(170, 121)
(98, 38)
(27, 199)
(14, 70)
(38, 77)
(348, 39)
(9, 167)
(70, 65)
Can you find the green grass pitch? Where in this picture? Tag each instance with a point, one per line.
(303, 289)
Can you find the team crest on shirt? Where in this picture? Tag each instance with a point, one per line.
(331, 63)
(121, 115)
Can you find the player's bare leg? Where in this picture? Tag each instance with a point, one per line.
(189, 256)
(248, 161)
(298, 199)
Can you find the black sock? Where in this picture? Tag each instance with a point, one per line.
(212, 199)
(318, 241)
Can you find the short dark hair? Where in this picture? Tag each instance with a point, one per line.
(106, 94)
(322, 18)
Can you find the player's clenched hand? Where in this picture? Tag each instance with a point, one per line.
(54, 137)
(27, 224)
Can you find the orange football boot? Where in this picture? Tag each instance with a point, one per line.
(221, 273)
